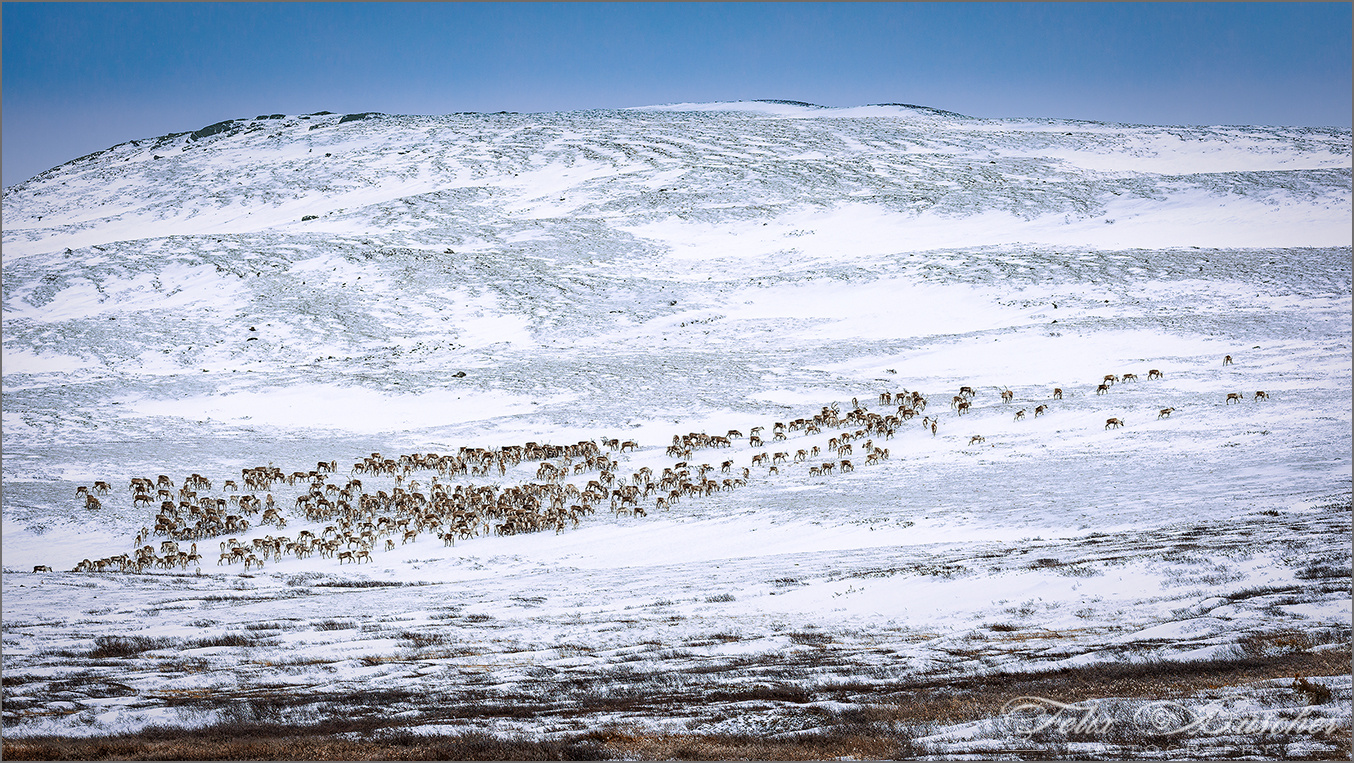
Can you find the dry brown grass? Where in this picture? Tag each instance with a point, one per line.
(959, 700)
(213, 747)
(861, 742)
(877, 729)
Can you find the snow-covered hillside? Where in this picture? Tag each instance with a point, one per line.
(296, 289)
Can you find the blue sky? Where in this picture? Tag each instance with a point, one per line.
(79, 77)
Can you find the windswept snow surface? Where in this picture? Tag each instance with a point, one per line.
(486, 280)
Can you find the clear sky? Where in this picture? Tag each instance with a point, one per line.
(79, 77)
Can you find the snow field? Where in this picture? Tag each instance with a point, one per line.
(640, 274)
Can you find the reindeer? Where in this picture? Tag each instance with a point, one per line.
(1020, 414)
(102, 488)
(93, 503)
(42, 568)
(1165, 413)
(1113, 423)
(847, 466)
(1007, 396)
(1057, 393)
(1110, 379)
(1227, 361)
(1233, 397)
(1102, 389)
(1130, 378)
(1040, 410)
(968, 392)
(1261, 395)
(1154, 374)
(964, 406)
(976, 439)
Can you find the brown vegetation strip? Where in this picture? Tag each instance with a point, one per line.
(211, 746)
(967, 699)
(859, 742)
(871, 731)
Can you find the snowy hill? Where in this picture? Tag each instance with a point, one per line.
(294, 289)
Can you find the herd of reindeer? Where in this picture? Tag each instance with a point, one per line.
(356, 522)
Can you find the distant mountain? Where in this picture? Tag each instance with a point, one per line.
(423, 177)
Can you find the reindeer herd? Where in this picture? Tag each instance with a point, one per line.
(435, 494)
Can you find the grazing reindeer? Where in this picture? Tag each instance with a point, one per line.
(976, 438)
(1130, 378)
(964, 406)
(1261, 395)
(1110, 379)
(1165, 413)
(102, 487)
(1154, 374)
(42, 568)
(1113, 423)
(1233, 397)
(1102, 389)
